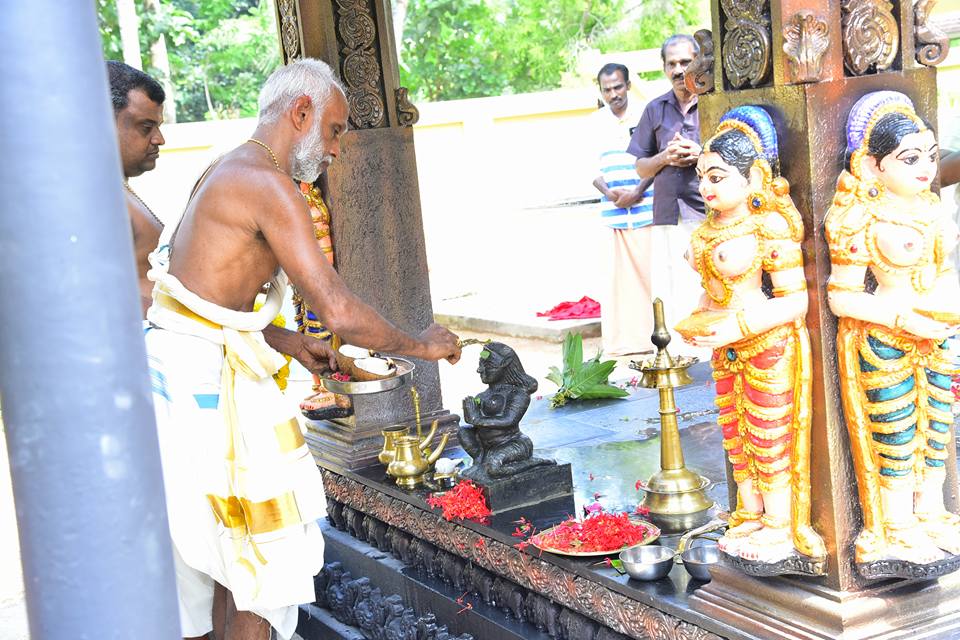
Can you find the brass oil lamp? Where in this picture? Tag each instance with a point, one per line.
(675, 495)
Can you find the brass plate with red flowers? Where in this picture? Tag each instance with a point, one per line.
(597, 535)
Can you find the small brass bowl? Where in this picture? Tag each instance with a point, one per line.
(697, 560)
(647, 562)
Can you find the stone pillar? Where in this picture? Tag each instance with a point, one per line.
(374, 199)
(807, 62)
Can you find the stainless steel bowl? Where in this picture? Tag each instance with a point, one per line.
(647, 562)
(357, 387)
(697, 560)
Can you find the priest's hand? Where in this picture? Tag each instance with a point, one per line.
(315, 355)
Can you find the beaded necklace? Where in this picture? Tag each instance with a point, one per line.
(144, 204)
(273, 156)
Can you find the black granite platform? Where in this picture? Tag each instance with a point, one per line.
(610, 444)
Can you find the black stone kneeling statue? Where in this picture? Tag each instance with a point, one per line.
(493, 437)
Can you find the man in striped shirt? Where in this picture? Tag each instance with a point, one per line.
(626, 207)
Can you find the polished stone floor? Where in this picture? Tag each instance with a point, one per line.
(613, 443)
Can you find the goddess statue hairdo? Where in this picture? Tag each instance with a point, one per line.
(746, 134)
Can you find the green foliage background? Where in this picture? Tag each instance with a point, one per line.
(220, 51)
(473, 48)
(224, 48)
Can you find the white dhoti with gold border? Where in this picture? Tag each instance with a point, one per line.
(243, 492)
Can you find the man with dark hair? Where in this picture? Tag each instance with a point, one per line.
(626, 209)
(138, 110)
(666, 147)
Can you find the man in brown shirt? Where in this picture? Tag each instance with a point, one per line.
(138, 109)
(666, 143)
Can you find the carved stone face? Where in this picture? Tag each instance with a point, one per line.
(722, 186)
(910, 168)
(490, 367)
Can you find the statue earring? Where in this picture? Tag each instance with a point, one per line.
(757, 202)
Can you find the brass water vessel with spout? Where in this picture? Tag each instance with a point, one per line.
(391, 435)
(409, 465)
(675, 495)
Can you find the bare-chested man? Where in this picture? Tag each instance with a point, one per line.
(138, 109)
(243, 492)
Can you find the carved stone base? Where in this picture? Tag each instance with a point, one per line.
(532, 486)
(349, 445)
(791, 609)
(903, 569)
(358, 603)
(795, 564)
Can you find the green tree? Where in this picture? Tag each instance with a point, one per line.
(471, 48)
(220, 51)
(649, 24)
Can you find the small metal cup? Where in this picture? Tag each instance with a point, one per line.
(697, 560)
(647, 562)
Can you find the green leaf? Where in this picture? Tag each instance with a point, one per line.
(590, 374)
(602, 391)
(582, 380)
(572, 353)
(555, 376)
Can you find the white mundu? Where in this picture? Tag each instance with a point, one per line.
(243, 492)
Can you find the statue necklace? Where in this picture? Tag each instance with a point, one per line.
(887, 211)
(707, 237)
(127, 186)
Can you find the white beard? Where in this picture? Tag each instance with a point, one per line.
(310, 158)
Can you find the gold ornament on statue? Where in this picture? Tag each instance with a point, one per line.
(895, 369)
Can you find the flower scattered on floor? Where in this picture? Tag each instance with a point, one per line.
(593, 507)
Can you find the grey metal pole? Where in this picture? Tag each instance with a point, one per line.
(84, 459)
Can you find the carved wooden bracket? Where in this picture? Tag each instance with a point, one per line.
(360, 63)
(698, 78)
(289, 30)
(806, 37)
(870, 35)
(932, 44)
(746, 44)
(407, 113)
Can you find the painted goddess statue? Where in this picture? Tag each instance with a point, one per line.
(894, 365)
(761, 349)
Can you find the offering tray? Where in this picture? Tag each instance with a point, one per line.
(357, 387)
(537, 540)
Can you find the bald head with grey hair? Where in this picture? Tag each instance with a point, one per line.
(307, 77)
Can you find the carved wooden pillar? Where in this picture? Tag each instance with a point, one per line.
(375, 200)
(807, 62)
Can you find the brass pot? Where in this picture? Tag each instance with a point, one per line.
(391, 434)
(390, 443)
(409, 465)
